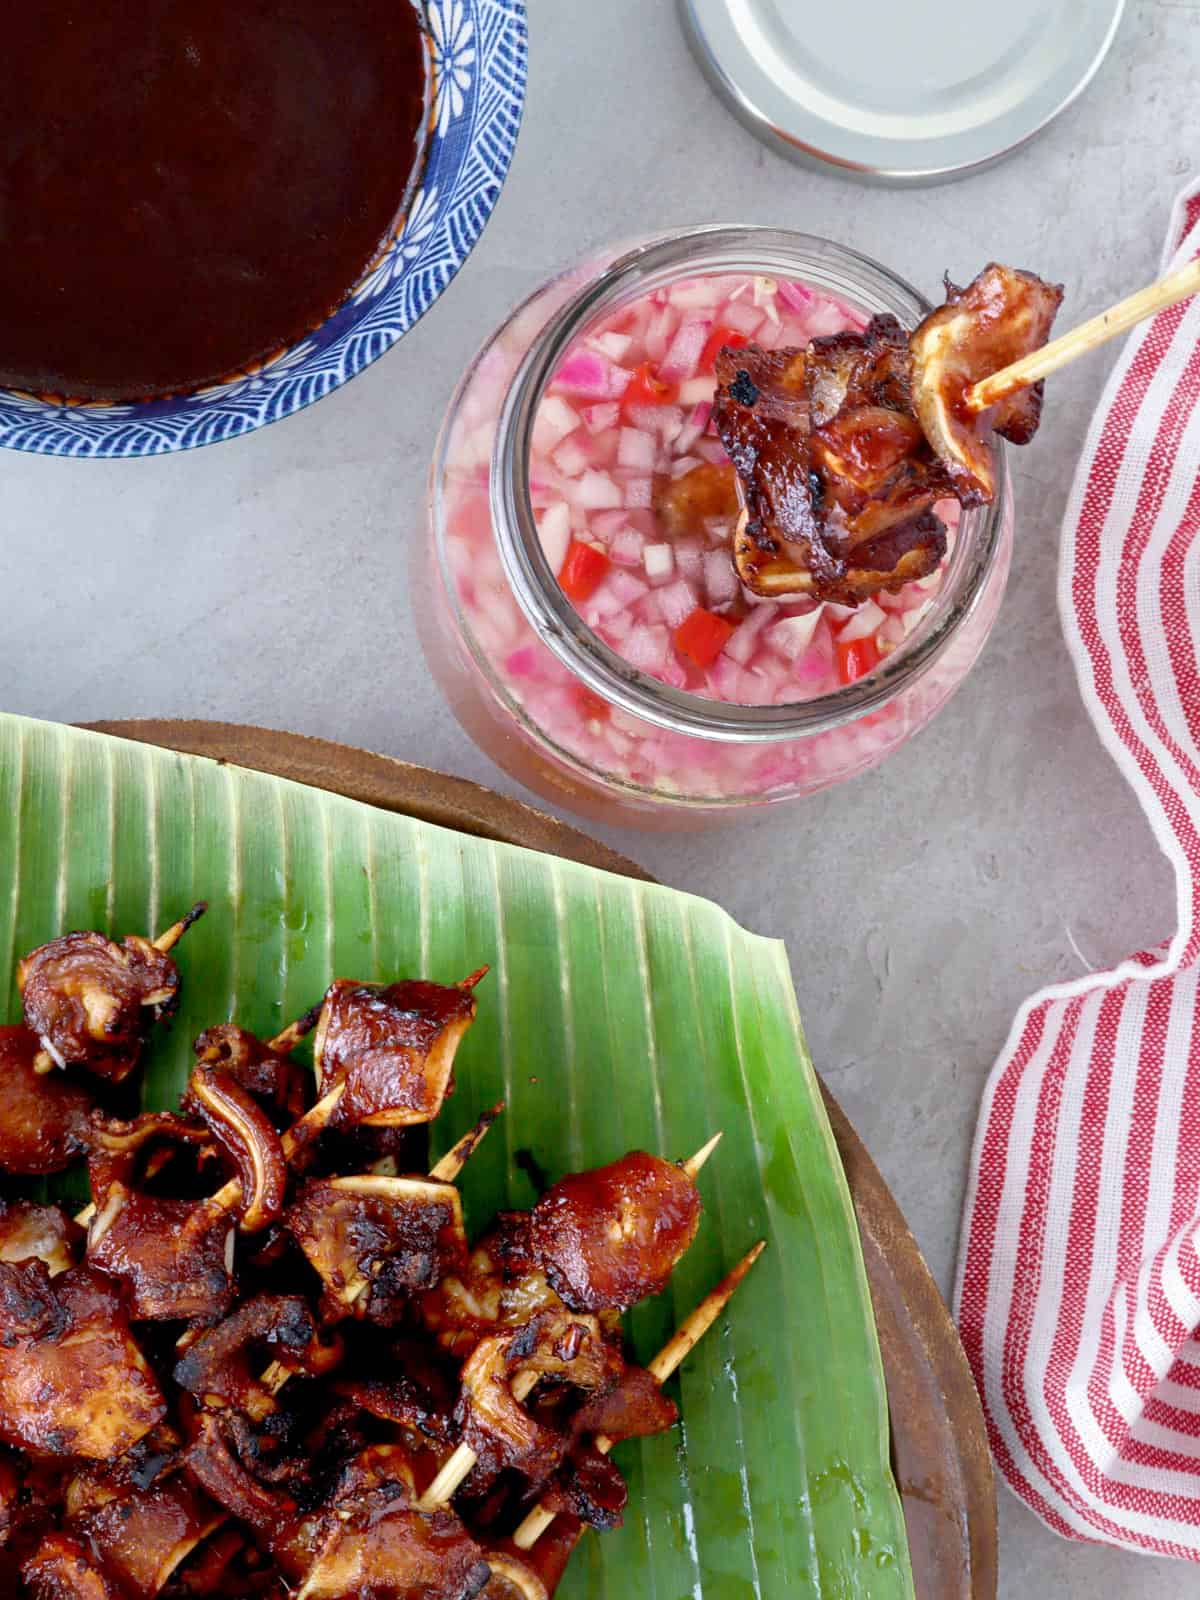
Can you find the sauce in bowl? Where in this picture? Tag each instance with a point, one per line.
(187, 189)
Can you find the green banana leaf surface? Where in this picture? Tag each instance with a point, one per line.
(617, 1015)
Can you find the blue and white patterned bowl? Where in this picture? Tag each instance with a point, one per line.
(479, 55)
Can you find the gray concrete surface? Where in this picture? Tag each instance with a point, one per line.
(265, 581)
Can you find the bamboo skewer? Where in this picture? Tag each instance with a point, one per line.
(672, 1355)
(461, 1463)
(1088, 336)
(694, 1167)
(170, 937)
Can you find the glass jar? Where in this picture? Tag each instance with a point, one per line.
(544, 696)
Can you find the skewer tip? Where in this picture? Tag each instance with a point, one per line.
(474, 978)
(693, 1166)
(172, 935)
(286, 1040)
(456, 1158)
(690, 1332)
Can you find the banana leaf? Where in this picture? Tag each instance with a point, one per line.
(616, 1015)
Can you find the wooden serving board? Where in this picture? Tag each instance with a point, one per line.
(939, 1444)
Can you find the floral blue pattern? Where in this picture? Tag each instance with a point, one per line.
(479, 50)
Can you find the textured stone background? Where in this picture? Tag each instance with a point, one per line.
(265, 581)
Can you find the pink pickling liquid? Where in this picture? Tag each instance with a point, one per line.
(597, 456)
(601, 455)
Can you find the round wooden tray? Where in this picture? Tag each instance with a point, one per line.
(939, 1445)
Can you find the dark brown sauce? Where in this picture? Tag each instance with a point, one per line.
(189, 186)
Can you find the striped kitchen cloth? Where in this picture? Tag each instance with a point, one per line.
(1078, 1293)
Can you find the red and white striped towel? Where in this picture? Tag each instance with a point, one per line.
(1078, 1293)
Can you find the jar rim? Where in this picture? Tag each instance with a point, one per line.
(694, 252)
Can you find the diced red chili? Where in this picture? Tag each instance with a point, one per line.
(646, 388)
(857, 657)
(583, 570)
(720, 339)
(590, 704)
(702, 636)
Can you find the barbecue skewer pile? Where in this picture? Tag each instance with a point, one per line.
(264, 1359)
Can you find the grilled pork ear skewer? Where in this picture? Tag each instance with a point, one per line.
(1088, 336)
(844, 448)
(462, 1462)
(281, 1045)
(672, 1356)
(386, 1083)
(92, 1002)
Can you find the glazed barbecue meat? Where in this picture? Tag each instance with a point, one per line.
(513, 1578)
(280, 1085)
(634, 1408)
(62, 1568)
(611, 1237)
(843, 449)
(837, 477)
(173, 1257)
(375, 1546)
(130, 1152)
(501, 1285)
(92, 1002)
(30, 1232)
(500, 1427)
(248, 1138)
(215, 1460)
(44, 1116)
(336, 1364)
(139, 1539)
(1002, 315)
(376, 1241)
(222, 1368)
(597, 1241)
(72, 1380)
(392, 1046)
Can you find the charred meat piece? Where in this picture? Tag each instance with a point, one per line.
(1000, 316)
(377, 1241)
(823, 481)
(761, 414)
(130, 1152)
(281, 1086)
(92, 1002)
(611, 1237)
(174, 1257)
(29, 1232)
(222, 1368)
(62, 1568)
(72, 1380)
(406, 1402)
(374, 1544)
(45, 1122)
(249, 1139)
(589, 1487)
(564, 1347)
(634, 1408)
(139, 1539)
(842, 450)
(213, 1461)
(502, 1285)
(392, 1046)
(155, 1456)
